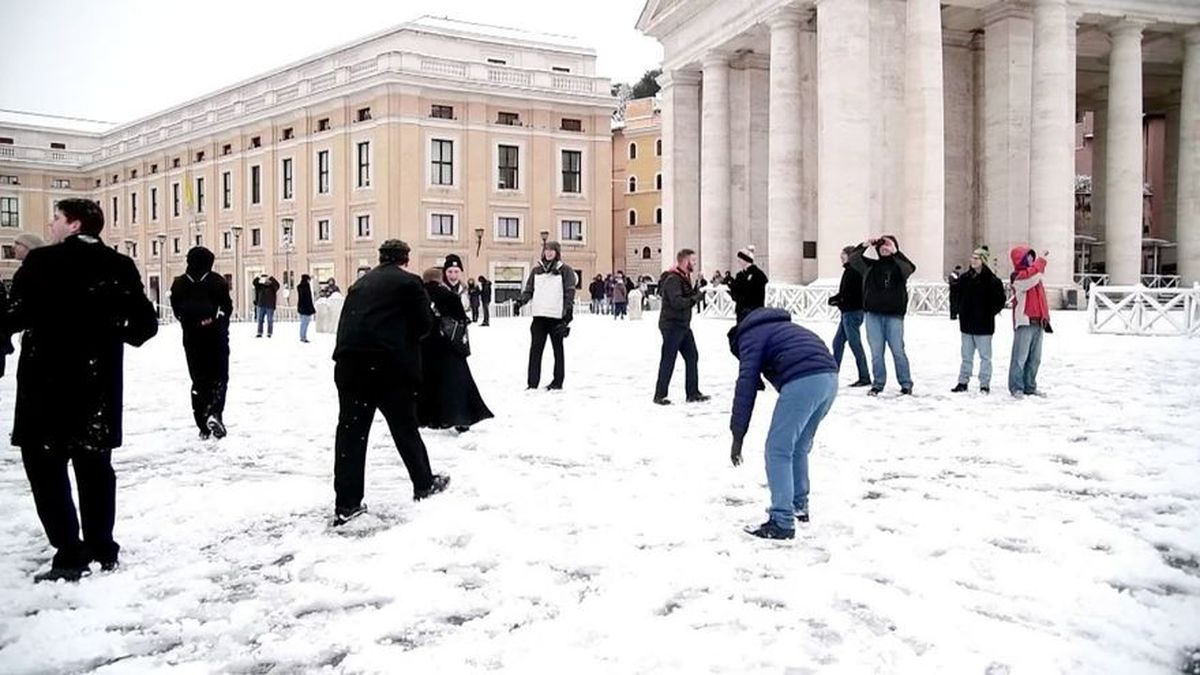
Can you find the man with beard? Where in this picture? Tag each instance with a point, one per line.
(679, 297)
(550, 291)
(201, 302)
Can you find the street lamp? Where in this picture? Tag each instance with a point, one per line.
(545, 235)
(237, 263)
(162, 270)
(478, 240)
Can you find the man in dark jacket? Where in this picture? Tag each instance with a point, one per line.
(266, 293)
(749, 287)
(798, 364)
(201, 302)
(79, 302)
(679, 297)
(885, 272)
(550, 291)
(378, 367)
(849, 301)
(981, 298)
(596, 290)
(485, 298)
(306, 309)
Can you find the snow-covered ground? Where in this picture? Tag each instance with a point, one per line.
(589, 531)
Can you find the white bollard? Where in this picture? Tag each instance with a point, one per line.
(635, 305)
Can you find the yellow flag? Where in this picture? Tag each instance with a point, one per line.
(189, 201)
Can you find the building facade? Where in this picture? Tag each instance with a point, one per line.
(454, 137)
(807, 126)
(637, 217)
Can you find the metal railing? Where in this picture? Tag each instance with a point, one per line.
(1139, 310)
(812, 302)
(1148, 280)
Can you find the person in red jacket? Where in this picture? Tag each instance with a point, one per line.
(1031, 319)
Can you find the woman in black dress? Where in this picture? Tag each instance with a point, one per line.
(449, 396)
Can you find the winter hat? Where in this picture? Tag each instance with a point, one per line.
(29, 240)
(984, 254)
(452, 260)
(394, 251)
(747, 254)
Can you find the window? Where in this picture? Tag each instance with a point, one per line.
(572, 230)
(632, 217)
(175, 163)
(658, 216)
(226, 240)
(199, 195)
(442, 112)
(810, 250)
(287, 232)
(323, 230)
(633, 151)
(9, 180)
(255, 237)
(198, 240)
(441, 225)
(572, 171)
(153, 168)
(362, 226)
(443, 162)
(323, 124)
(658, 181)
(8, 253)
(288, 134)
(175, 200)
(287, 178)
(560, 69)
(175, 246)
(6, 140)
(508, 227)
(256, 142)
(133, 249)
(227, 149)
(645, 253)
(632, 184)
(658, 147)
(509, 167)
(227, 190)
(510, 119)
(114, 211)
(364, 164)
(60, 183)
(323, 172)
(153, 203)
(133, 208)
(133, 174)
(256, 184)
(199, 156)
(363, 115)
(58, 146)
(569, 124)
(154, 247)
(497, 62)
(97, 182)
(115, 178)
(9, 216)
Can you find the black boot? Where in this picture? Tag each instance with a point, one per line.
(440, 482)
(958, 388)
(769, 530)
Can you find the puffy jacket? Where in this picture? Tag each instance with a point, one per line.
(849, 297)
(767, 343)
(885, 280)
(980, 298)
(1030, 304)
(749, 290)
(679, 297)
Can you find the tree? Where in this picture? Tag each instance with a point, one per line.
(648, 85)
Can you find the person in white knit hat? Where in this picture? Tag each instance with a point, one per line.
(749, 287)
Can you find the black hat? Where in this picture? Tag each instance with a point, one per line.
(394, 251)
(452, 260)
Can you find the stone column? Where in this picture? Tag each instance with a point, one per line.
(1052, 140)
(680, 97)
(715, 233)
(844, 119)
(1124, 170)
(784, 196)
(924, 145)
(1187, 214)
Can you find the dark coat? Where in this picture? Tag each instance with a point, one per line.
(885, 281)
(266, 293)
(199, 298)
(767, 343)
(473, 293)
(304, 299)
(596, 289)
(679, 297)
(385, 315)
(79, 303)
(485, 292)
(449, 396)
(981, 297)
(6, 347)
(849, 297)
(749, 290)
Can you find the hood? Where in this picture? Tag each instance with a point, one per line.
(1018, 254)
(199, 261)
(756, 318)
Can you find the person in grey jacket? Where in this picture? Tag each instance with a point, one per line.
(550, 291)
(679, 297)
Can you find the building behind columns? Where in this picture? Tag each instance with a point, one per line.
(637, 190)
(456, 137)
(806, 126)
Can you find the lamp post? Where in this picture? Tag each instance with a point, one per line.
(162, 270)
(288, 247)
(478, 240)
(237, 264)
(545, 235)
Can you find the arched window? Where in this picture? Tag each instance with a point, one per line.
(658, 181)
(645, 253)
(633, 151)
(658, 147)
(658, 216)
(632, 184)
(632, 217)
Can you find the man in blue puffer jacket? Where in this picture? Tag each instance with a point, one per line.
(798, 364)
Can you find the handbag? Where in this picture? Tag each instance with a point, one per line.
(455, 333)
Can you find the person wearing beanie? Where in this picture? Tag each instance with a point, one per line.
(1031, 320)
(202, 305)
(749, 287)
(981, 298)
(849, 301)
(378, 367)
(449, 396)
(885, 271)
(550, 291)
(24, 243)
(452, 266)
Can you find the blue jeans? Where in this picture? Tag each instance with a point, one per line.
(849, 330)
(802, 405)
(887, 329)
(267, 313)
(971, 343)
(305, 319)
(1026, 357)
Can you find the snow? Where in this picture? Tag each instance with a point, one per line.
(589, 531)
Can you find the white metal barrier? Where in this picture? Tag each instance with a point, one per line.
(1138, 310)
(1148, 280)
(812, 302)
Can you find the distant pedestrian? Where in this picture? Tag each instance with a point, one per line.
(749, 287)
(596, 292)
(305, 307)
(885, 273)
(473, 293)
(201, 303)
(620, 296)
(849, 301)
(550, 291)
(981, 298)
(266, 292)
(485, 298)
(679, 297)
(1031, 320)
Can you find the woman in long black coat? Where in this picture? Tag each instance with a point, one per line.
(449, 396)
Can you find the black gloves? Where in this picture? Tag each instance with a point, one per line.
(562, 330)
(735, 453)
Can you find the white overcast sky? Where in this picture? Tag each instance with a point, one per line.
(118, 60)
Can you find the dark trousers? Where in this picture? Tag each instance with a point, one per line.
(487, 313)
(46, 468)
(208, 365)
(678, 340)
(474, 313)
(365, 385)
(539, 330)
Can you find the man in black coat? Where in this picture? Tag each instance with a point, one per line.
(849, 301)
(79, 302)
(378, 367)
(306, 309)
(749, 287)
(266, 295)
(201, 303)
(485, 298)
(981, 298)
(550, 292)
(679, 298)
(885, 272)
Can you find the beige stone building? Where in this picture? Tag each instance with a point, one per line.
(637, 190)
(456, 137)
